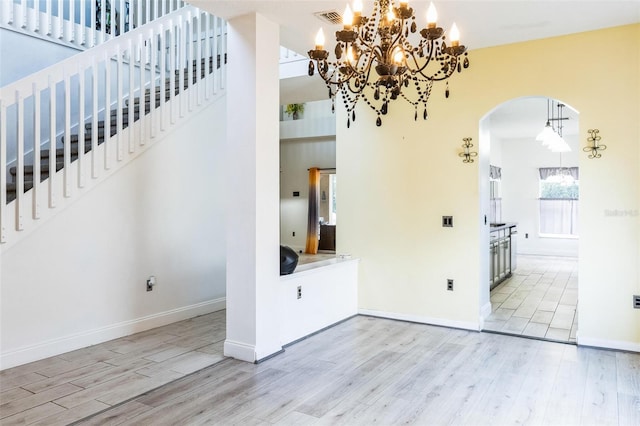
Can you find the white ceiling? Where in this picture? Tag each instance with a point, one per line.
(482, 23)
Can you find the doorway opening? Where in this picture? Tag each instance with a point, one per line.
(530, 193)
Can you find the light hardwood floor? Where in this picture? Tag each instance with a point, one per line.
(373, 371)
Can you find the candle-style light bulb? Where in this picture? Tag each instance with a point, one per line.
(350, 55)
(347, 18)
(398, 57)
(320, 40)
(432, 16)
(454, 35)
(390, 14)
(357, 7)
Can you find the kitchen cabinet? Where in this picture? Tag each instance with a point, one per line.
(501, 252)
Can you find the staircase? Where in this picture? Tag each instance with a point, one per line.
(74, 140)
(174, 66)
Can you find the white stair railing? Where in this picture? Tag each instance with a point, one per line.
(81, 23)
(175, 63)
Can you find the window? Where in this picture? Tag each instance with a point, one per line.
(559, 195)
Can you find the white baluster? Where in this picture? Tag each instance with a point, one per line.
(216, 52)
(81, 128)
(52, 142)
(132, 112)
(152, 86)
(172, 72)
(199, 56)
(66, 174)
(36, 151)
(119, 106)
(121, 16)
(163, 74)
(32, 17)
(41, 18)
(82, 40)
(70, 24)
(180, 41)
(94, 117)
(6, 12)
(20, 162)
(3, 172)
(207, 56)
(142, 44)
(223, 48)
(193, 57)
(47, 26)
(21, 15)
(60, 24)
(138, 13)
(107, 112)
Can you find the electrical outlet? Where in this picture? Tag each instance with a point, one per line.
(151, 282)
(447, 221)
(526, 235)
(299, 292)
(636, 301)
(450, 284)
(294, 233)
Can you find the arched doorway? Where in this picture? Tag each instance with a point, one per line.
(529, 188)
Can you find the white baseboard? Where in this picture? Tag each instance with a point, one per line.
(240, 351)
(75, 341)
(466, 325)
(608, 344)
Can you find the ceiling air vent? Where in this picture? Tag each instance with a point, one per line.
(330, 16)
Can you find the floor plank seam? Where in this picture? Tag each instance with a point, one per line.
(175, 381)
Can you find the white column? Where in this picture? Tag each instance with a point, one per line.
(253, 251)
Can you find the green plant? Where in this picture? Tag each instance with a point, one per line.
(294, 109)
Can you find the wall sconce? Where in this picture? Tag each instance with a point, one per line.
(594, 147)
(467, 154)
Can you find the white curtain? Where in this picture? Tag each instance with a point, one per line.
(559, 217)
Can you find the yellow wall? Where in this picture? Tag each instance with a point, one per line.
(396, 181)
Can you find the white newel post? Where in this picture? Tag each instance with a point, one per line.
(253, 329)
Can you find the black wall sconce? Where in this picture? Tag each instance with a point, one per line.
(467, 155)
(594, 146)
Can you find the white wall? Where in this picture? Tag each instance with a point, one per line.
(397, 180)
(329, 295)
(81, 278)
(23, 55)
(296, 157)
(521, 159)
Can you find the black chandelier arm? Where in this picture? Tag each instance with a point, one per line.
(452, 66)
(418, 69)
(328, 77)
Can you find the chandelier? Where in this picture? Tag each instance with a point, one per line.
(551, 136)
(382, 42)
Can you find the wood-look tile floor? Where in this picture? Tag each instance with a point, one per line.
(363, 371)
(74, 385)
(539, 300)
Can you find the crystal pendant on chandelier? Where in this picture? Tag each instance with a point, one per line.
(377, 61)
